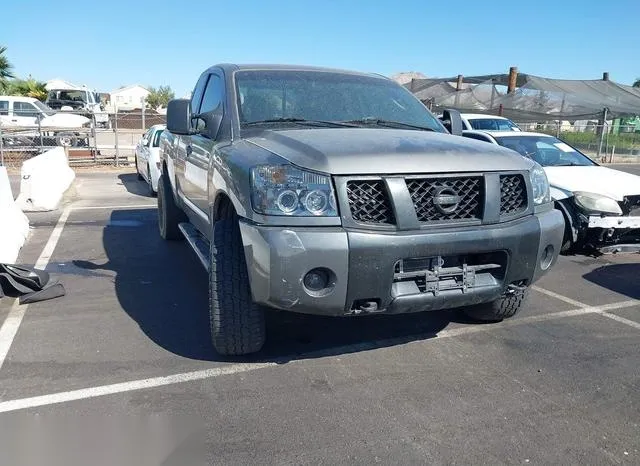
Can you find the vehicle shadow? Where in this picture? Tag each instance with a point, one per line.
(133, 185)
(620, 278)
(162, 286)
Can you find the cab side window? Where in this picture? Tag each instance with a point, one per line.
(212, 95)
(24, 109)
(4, 107)
(198, 92)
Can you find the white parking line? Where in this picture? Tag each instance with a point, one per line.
(566, 299)
(116, 207)
(602, 312)
(124, 387)
(133, 385)
(16, 313)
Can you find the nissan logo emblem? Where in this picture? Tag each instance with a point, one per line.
(446, 200)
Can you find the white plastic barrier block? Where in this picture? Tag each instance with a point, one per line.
(14, 225)
(45, 178)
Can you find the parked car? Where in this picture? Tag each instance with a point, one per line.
(26, 112)
(338, 193)
(480, 121)
(601, 206)
(81, 101)
(148, 157)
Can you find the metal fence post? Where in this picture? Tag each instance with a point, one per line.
(40, 134)
(94, 148)
(1, 148)
(602, 132)
(558, 125)
(115, 132)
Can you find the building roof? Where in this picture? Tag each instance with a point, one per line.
(127, 88)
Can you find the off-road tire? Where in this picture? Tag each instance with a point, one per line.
(237, 323)
(502, 308)
(169, 214)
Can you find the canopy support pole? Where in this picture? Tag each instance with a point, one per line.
(603, 132)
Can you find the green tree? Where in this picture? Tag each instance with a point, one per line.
(636, 83)
(5, 69)
(27, 88)
(160, 97)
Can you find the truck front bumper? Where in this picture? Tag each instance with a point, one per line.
(383, 272)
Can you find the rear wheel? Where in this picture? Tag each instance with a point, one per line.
(237, 323)
(152, 193)
(502, 308)
(140, 177)
(169, 213)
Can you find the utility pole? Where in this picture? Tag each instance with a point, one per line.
(513, 79)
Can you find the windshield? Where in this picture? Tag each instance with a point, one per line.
(74, 96)
(546, 150)
(493, 124)
(327, 96)
(45, 108)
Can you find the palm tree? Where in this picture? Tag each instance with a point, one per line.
(636, 83)
(27, 88)
(5, 69)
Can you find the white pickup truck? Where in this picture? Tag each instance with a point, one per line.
(28, 113)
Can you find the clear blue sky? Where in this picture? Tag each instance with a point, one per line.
(111, 43)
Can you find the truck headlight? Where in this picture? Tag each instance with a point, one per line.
(287, 190)
(540, 185)
(597, 203)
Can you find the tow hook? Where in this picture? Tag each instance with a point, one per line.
(513, 288)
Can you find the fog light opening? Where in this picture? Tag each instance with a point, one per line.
(319, 281)
(547, 257)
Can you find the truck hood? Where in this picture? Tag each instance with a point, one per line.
(594, 179)
(64, 120)
(368, 151)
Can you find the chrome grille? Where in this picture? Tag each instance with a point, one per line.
(447, 199)
(513, 194)
(369, 202)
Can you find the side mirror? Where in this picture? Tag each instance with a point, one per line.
(452, 120)
(179, 116)
(145, 141)
(209, 123)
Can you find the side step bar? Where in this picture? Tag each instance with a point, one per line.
(199, 244)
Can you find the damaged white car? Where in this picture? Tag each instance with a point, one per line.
(601, 206)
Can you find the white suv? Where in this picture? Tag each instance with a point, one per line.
(27, 112)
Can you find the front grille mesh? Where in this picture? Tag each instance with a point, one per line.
(369, 202)
(513, 194)
(470, 191)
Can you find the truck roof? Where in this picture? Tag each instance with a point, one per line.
(278, 67)
(18, 98)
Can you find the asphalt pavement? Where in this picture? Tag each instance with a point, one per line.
(557, 384)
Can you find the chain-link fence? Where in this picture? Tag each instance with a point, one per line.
(106, 139)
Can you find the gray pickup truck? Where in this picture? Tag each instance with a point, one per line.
(338, 193)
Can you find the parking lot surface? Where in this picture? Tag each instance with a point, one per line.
(557, 384)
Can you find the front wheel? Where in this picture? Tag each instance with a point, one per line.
(237, 323)
(504, 307)
(169, 213)
(66, 139)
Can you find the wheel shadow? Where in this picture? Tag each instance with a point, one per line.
(133, 185)
(623, 279)
(164, 289)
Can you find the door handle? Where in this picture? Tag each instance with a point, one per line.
(189, 150)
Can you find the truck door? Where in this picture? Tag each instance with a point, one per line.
(25, 114)
(182, 146)
(202, 147)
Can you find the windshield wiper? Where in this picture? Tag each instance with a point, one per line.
(387, 124)
(301, 121)
(570, 164)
